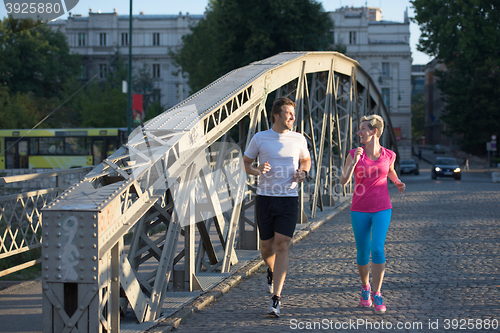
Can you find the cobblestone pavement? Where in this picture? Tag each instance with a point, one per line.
(442, 254)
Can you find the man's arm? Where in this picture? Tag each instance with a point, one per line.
(252, 170)
(305, 165)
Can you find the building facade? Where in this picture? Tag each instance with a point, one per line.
(99, 36)
(382, 48)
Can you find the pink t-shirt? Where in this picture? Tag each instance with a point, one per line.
(370, 177)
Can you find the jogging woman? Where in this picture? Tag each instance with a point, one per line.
(371, 206)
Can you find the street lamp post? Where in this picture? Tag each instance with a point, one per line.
(129, 111)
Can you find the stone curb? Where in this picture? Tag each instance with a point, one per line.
(173, 321)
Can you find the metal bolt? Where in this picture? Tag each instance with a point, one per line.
(115, 279)
(58, 307)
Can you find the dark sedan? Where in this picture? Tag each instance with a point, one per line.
(409, 166)
(446, 167)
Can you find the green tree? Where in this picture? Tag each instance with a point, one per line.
(417, 115)
(36, 60)
(465, 36)
(235, 33)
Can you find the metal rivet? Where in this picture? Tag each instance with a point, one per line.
(46, 277)
(45, 225)
(70, 325)
(95, 246)
(46, 234)
(82, 307)
(94, 278)
(58, 234)
(46, 257)
(81, 234)
(95, 235)
(82, 268)
(59, 257)
(59, 276)
(94, 289)
(115, 279)
(58, 268)
(58, 245)
(94, 269)
(46, 268)
(82, 277)
(45, 287)
(58, 307)
(82, 257)
(82, 246)
(58, 215)
(94, 258)
(95, 216)
(95, 225)
(59, 225)
(46, 244)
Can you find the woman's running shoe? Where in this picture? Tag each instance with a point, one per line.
(366, 300)
(379, 302)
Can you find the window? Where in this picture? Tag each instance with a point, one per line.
(102, 39)
(103, 68)
(352, 37)
(156, 38)
(81, 39)
(386, 69)
(156, 71)
(386, 97)
(124, 39)
(83, 72)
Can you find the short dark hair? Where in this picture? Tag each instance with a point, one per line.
(278, 104)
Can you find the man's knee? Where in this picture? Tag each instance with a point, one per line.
(282, 243)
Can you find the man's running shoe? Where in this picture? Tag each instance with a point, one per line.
(269, 281)
(379, 302)
(366, 300)
(274, 306)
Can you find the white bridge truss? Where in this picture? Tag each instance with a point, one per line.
(174, 203)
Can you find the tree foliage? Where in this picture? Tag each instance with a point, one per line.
(35, 60)
(235, 33)
(465, 36)
(417, 115)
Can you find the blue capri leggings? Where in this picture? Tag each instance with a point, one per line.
(370, 230)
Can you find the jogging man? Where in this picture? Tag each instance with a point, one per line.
(277, 205)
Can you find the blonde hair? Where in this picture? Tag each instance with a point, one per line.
(374, 121)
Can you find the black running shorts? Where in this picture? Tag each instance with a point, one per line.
(276, 214)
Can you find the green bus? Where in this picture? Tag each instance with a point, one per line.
(58, 148)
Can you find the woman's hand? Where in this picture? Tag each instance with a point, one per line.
(400, 185)
(357, 155)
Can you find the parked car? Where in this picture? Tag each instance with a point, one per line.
(446, 167)
(409, 166)
(438, 149)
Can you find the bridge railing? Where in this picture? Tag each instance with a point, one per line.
(20, 214)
